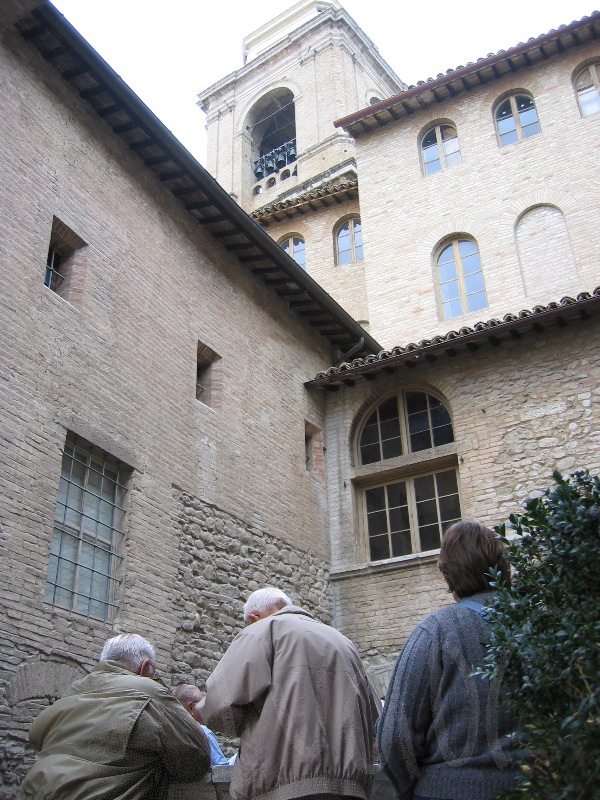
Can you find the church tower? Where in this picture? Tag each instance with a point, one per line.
(272, 143)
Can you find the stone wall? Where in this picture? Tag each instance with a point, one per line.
(222, 560)
(520, 410)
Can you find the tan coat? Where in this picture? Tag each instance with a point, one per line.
(296, 692)
(114, 735)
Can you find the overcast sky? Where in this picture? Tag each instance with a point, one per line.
(170, 50)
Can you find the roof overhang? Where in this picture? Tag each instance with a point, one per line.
(511, 328)
(179, 173)
(463, 79)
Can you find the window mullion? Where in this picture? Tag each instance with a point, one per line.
(459, 275)
(438, 139)
(412, 516)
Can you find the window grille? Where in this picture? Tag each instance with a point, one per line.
(88, 531)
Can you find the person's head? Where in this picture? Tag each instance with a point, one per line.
(469, 551)
(264, 602)
(132, 652)
(189, 695)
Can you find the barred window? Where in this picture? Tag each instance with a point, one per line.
(88, 531)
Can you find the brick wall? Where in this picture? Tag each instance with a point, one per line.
(119, 369)
(406, 214)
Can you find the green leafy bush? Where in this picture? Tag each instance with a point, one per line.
(545, 638)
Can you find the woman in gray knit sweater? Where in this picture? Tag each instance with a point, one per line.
(443, 734)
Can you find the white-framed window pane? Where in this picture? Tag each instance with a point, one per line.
(477, 301)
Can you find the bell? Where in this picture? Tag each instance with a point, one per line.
(281, 160)
(258, 169)
(269, 164)
(291, 151)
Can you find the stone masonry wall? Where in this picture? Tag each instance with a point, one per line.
(222, 560)
(520, 410)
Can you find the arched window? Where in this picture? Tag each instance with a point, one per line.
(408, 515)
(460, 278)
(440, 148)
(516, 118)
(348, 242)
(272, 122)
(587, 89)
(270, 183)
(294, 247)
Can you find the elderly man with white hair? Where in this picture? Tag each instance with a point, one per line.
(116, 733)
(296, 692)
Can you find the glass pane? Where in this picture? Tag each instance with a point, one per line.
(509, 138)
(424, 488)
(389, 409)
(506, 124)
(448, 134)
(427, 512)
(453, 158)
(452, 309)
(379, 547)
(443, 435)
(504, 110)
(449, 507)
(377, 522)
(449, 291)
(370, 453)
(589, 99)
(433, 166)
(370, 434)
(430, 537)
(418, 422)
(420, 441)
(447, 272)
(446, 255)
(446, 482)
(531, 130)
(375, 498)
(584, 79)
(401, 544)
(439, 413)
(390, 428)
(416, 401)
(286, 246)
(474, 283)
(450, 146)
(399, 520)
(359, 252)
(391, 448)
(467, 247)
(396, 494)
(524, 103)
(430, 140)
(528, 117)
(477, 301)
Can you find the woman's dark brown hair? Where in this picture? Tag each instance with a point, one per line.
(469, 551)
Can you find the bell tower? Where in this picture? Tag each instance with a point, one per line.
(273, 146)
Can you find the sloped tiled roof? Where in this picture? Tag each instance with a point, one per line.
(334, 192)
(492, 332)
(178, 172)
(464, 78)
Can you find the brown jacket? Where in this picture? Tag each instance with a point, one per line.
(296, 692)
(114, 735)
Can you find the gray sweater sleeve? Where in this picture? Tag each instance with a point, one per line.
(407, 714)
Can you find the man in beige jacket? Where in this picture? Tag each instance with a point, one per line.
(297, 694)
(115, 734)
